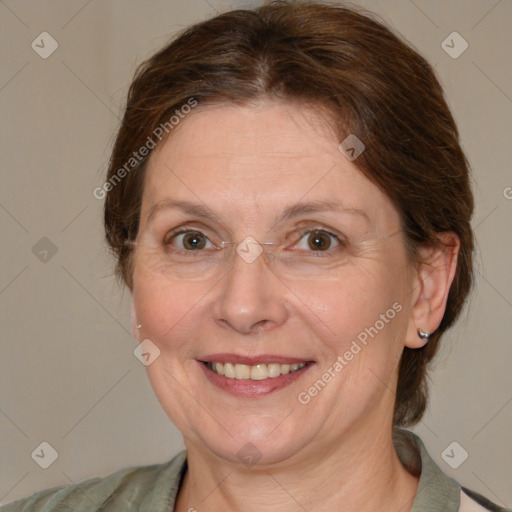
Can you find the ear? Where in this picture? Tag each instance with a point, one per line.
(433, 279)
(134, 321)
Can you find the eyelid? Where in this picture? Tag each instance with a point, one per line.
(171, 236)
(339, 239)
(315, 226)
(297, 234)
(183, 229)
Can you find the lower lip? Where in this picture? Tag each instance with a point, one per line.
(253, 388)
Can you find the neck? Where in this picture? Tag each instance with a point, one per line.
(363, 472)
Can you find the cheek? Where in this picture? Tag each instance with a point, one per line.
(166, 309)
(360, 335)
(335, 311)
(354, 299)
(366, 305)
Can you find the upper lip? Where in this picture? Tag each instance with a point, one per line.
(253, 360)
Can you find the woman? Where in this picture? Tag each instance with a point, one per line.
(289, 206)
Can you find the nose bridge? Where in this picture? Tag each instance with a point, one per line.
(251, 295)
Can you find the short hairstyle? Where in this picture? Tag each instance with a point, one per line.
(371, 83)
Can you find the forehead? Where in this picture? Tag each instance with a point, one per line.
(247, 161)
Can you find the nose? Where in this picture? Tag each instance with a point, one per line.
(252, 298)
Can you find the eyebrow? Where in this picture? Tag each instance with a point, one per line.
(203, 211)
(191, 208)
(318, 206)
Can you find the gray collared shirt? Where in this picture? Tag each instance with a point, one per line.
(155, 488)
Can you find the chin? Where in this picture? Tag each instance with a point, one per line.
(257, 443)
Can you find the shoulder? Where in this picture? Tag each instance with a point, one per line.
(152, 487)
(436, 491)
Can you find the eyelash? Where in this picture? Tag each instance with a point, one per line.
(306, 231)
(173, 234)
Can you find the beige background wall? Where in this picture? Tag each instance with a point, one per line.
(67, 372)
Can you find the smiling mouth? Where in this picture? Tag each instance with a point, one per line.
(253, 372)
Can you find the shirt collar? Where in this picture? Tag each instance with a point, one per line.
(436, 491)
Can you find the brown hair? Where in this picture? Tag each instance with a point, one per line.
(374, 85)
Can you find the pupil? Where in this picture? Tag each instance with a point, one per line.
(319, 241)
(194, 241)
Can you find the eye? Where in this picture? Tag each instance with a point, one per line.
(318, 240)
(189, 240)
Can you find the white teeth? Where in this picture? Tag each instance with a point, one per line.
(219, 368)
(259, 372)
(285, 368)
(274, 370)
(256, 372)
(242, 371)
(229, 370)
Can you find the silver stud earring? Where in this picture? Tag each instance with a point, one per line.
(424, 335)
(138, 326)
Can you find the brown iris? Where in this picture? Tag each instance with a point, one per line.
(194, 240)
(319, 240)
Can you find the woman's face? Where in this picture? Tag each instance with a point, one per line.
(342, 305)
